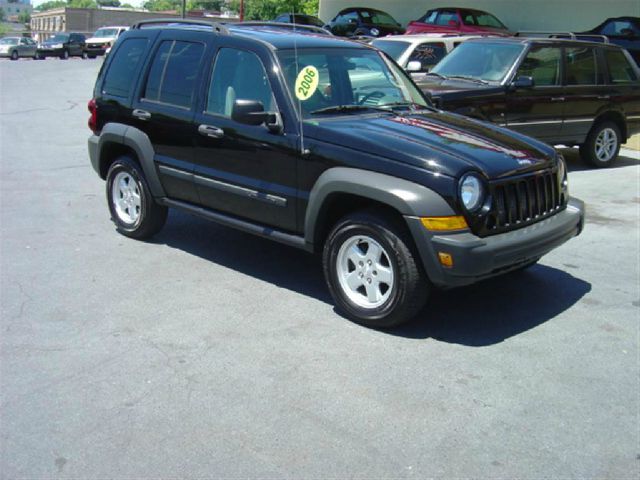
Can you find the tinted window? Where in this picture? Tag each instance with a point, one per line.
(620, 70)
(428, 54)
(481, 60)
(481, 19)
(543, 65)
(238, 75)
(347, 17)
(119, 78)
(429, 17)
(446, 16)
(391, 48)
(283, 18)
(173, 73)
(581, 66)
(620, 27)
(376, 17)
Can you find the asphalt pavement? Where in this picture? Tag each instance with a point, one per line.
(212, 353)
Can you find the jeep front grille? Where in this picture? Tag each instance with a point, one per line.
(522, 201)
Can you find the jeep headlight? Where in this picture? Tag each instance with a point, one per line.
(375, 32)
(563, 182)
(471, 192)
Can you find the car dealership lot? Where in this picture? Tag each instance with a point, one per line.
(212, 353)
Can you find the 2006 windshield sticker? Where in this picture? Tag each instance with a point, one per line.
(307, 82)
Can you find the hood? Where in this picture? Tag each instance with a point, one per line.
(441, 142)
(50, 41)
(99, 40)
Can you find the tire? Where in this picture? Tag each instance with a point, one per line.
(91, 56)
(64, 55)
(14, 55)
(84, 55)
(350, 263)
(133, 209)
(602, 145)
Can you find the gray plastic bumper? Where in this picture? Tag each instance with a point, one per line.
(476, 258)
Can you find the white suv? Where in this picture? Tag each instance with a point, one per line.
(103, 40)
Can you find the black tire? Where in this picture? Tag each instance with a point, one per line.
(84, 55)
(64, 55)
(151, 216)
(589, 150)
(409, 291)
(14, 55)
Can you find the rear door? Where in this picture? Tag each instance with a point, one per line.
(164, 107)
(586, 93)
(244, 170)
(538, 111)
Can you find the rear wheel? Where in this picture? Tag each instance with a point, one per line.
(602, 145)
(371, 271)
(133, 209)
(14, 55)
(64, 55)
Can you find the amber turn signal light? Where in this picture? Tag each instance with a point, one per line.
(446, 260)
(443, 224)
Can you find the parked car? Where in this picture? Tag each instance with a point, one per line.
(623, 31)
(264, 131)
(63, 46)
(458, 20)
(359, 22)
(102, 40)
(418, 54)
(16, 47)
(299, 19)
(560, 91)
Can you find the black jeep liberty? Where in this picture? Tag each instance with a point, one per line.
(325, 145)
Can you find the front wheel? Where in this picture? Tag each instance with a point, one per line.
(64, 55)
(133, 209)
(84, 55)
(372, 273)
(602, 145)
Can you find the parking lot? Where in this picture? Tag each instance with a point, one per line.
(212, 353)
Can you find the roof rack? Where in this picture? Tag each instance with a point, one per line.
(565, 35)
(175, 22)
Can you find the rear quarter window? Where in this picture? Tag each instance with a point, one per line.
(121, 74)
(620, 70)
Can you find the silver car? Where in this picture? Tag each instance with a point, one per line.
(16, 47)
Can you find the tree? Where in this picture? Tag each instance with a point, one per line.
(24, 17)
(162, 5)
(109, 3)
(2, 15)
(269, 9)
(51, 4)
(82, 4)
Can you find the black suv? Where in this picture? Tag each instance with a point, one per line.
(63, 45)
(566, 92)
(326, 145)
(358, 22)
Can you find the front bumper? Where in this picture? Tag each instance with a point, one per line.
(476, 258)
(50, 52)
(5, 54)
(96, 49)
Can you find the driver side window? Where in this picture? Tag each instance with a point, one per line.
(543, 65)
(238, 74)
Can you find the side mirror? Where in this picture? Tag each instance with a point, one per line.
(414, 66)
(249, 112)
(454, 23)
(523, 82)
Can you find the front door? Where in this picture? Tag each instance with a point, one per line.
(538, 111)
(244, 170)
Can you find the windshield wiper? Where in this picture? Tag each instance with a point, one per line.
(348, 108)
(471, 79)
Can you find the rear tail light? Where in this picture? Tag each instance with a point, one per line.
(93, 119)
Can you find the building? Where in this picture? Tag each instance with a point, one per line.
(547, 15)
(13, 10)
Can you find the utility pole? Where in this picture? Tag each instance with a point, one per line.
(242, 10)
(184, 8)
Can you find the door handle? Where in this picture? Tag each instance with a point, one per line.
(210, 131)
(557, 99)
(141, 114)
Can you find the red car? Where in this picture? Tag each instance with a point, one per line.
(458, 20)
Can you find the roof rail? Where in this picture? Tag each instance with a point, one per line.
(281, 25)
(173, 22)
(565, 35)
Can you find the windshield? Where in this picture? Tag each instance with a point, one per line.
(376, 17)
(480, 19)
(321, 79)
(391, 48)
(479, 60)
(106, 32)
(59, 37)
(9, 41)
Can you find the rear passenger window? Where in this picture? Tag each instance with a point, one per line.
(581, 66)
(119, 78)
(173, 73)
(543, 65)
(620, 70)
(238, 75)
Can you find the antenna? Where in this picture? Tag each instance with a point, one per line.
(295, 54)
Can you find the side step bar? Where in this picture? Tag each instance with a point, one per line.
(229, 221)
